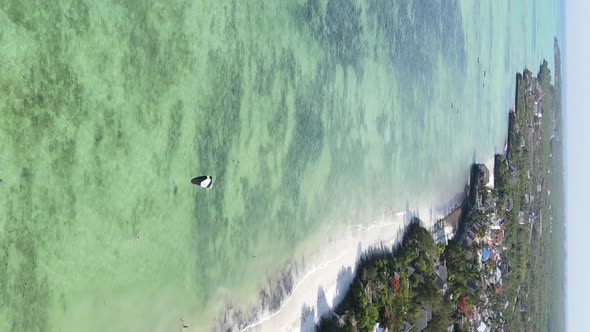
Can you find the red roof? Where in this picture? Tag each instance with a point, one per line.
(463, 304)
(395, 283)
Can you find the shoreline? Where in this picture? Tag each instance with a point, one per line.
(311, 287)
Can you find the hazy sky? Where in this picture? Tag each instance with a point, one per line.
(577, 70)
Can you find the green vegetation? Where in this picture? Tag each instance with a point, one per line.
(534, 159)
(525, 208)
(391, 289)
(394, 288)
(462, 270)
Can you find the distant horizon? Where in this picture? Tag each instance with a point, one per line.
(575, 71)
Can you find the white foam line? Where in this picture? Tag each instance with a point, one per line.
(379, 225)
(314, 270)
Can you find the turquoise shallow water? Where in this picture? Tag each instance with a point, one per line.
(307, 114)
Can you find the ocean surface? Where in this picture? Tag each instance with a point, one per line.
(309, 115)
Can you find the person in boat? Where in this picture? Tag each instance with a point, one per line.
(204, 181)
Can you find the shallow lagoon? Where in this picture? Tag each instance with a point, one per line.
(308, 114)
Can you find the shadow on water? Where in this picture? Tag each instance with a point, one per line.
(322, 304)
(343, 281)
(307, 319)
(409, 214)
(359, 251)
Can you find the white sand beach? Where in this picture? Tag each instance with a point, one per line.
(328, 276)
(490, 165)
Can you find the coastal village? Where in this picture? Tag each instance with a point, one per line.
(494, 272)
